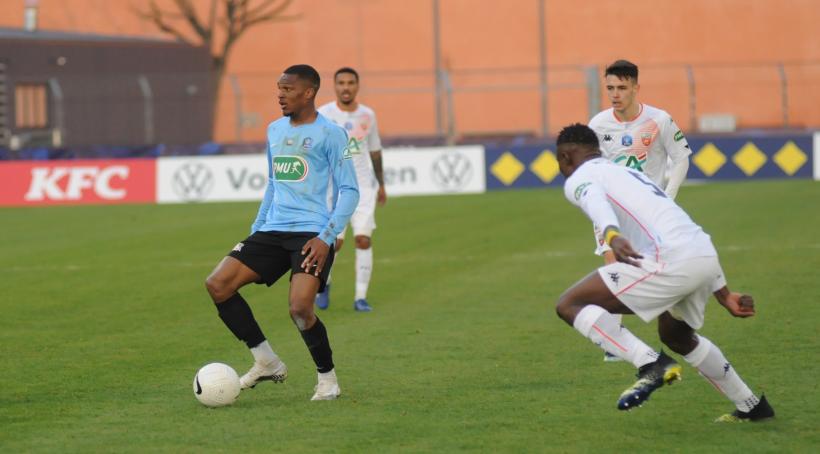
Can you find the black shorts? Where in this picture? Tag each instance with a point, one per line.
(272, 254)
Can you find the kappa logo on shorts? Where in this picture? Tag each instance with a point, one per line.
(614, 277)
(238, 247)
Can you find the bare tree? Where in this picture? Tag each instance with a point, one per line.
(228, 25)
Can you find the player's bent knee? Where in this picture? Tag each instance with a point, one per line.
(680, 343)
(564, 308)
(302, 317)
(362, 242)
(218, 288)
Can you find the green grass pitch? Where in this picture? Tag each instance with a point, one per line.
(105, 320)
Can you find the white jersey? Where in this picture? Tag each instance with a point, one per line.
(645, 143)
(655, 226)
(363, 133)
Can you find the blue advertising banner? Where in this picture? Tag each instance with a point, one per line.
(713, 158)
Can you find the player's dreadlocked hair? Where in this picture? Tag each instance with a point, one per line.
(305, 72)
(578, 133)
(623, 70)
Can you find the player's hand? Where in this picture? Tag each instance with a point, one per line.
(738, 304)
(623, 251)
(315, 252)
(381, 198)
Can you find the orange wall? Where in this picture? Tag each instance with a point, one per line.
(491, 49)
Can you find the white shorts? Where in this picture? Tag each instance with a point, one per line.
(683, 288)
(363, 220)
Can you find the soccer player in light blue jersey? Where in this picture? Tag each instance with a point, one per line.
(294, 230)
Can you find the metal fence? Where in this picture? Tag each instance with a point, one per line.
(464, 103)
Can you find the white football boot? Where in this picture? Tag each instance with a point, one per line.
(276, 372)
(328, 387)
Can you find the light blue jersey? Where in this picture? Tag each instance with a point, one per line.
(302, 162)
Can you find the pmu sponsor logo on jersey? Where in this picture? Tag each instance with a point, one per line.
(290, 169)
(75, 182)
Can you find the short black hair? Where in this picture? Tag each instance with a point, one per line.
(623, 70)
(347, 70)
(578, 133)
(305, 72)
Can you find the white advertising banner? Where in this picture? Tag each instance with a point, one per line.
(212, 178)
(435, 170)
(817, 155)
(407, 171)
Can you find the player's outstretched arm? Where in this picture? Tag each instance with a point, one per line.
(738, 304)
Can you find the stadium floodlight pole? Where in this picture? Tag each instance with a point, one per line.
(542, 57)
(437, 66)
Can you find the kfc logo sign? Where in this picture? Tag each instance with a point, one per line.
(48, 183)
(59, 182)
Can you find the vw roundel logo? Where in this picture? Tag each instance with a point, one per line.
(193, 181)
(452, 171)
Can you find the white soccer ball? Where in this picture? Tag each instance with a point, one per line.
(216, 385)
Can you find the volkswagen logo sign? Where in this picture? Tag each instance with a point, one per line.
(452, 171)
(193, 181)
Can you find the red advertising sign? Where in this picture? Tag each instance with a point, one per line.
(77, 182)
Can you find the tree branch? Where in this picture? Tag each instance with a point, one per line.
(189, 13)
(157, 16)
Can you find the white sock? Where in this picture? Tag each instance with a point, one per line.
(711, 363)
(604, 330)
(328, 375)
(263, 354)
(364, 268)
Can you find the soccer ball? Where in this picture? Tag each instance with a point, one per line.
(216, 385)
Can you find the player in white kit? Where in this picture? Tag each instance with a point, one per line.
(364, 143)
(666, 269)
(640, 137)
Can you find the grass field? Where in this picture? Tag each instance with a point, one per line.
(105, 320)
